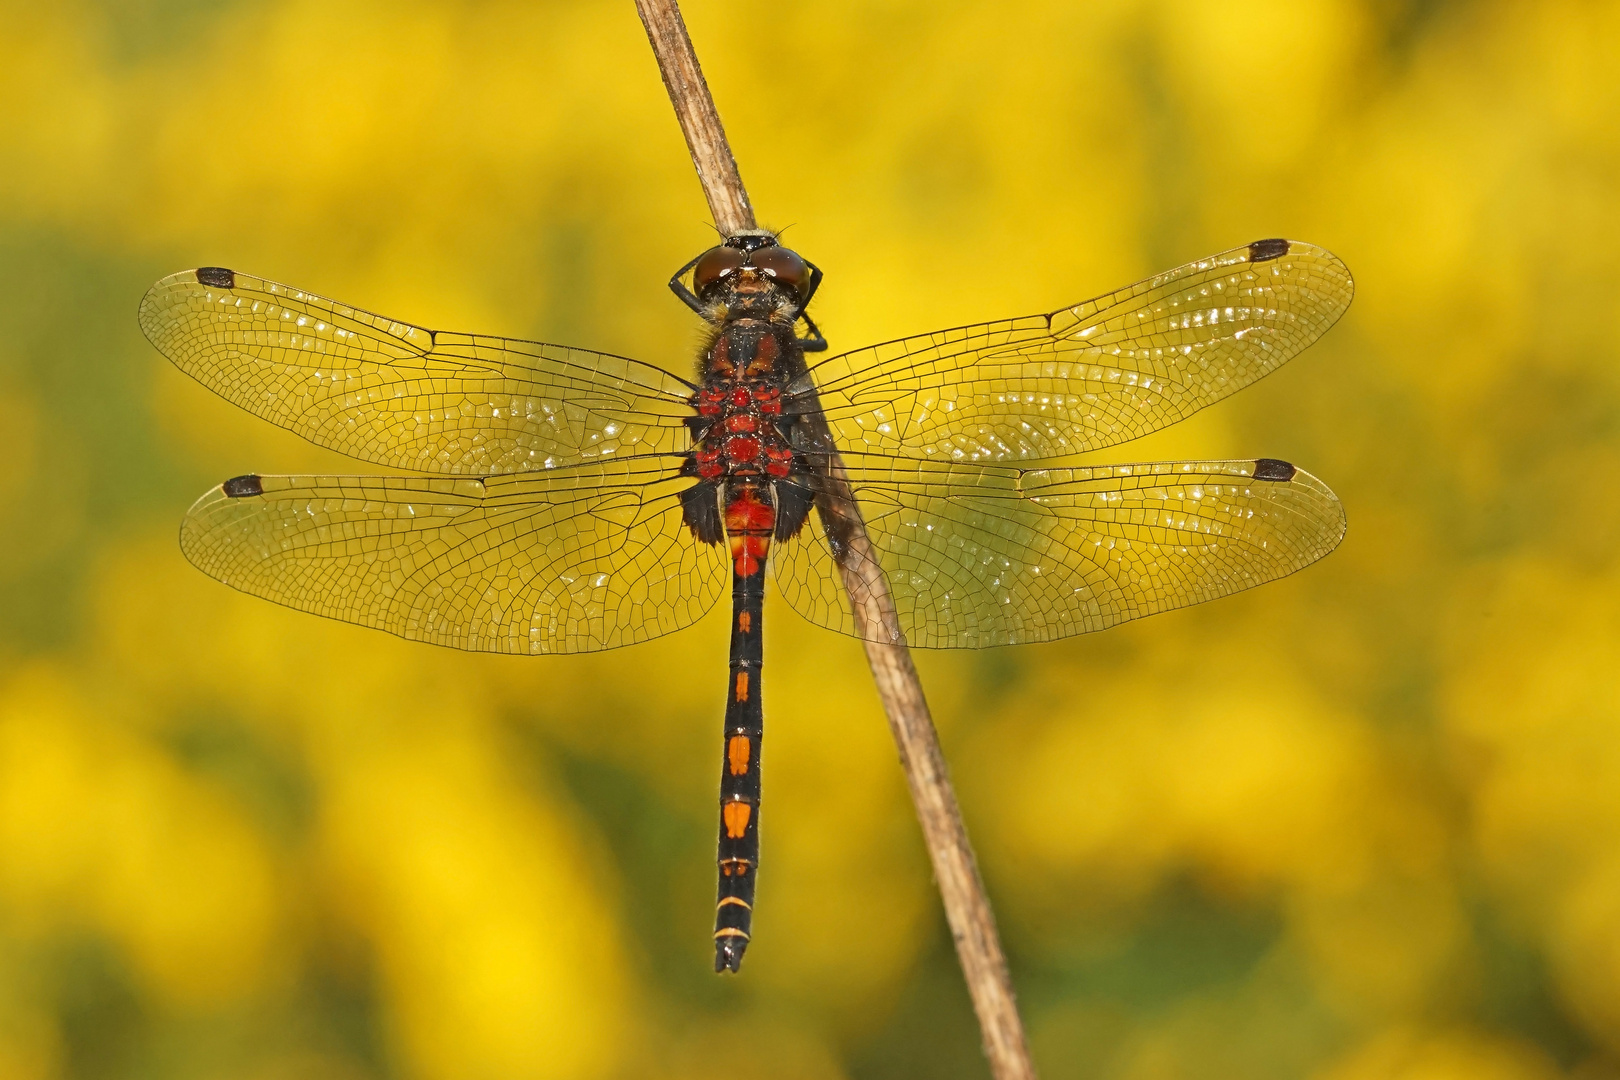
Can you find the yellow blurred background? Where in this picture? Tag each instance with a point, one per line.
(1360, 824)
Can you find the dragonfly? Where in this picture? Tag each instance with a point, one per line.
(560, 500)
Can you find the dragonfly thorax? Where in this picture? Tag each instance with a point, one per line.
(740, 434)
(737, 432)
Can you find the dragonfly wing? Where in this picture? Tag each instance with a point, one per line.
(396, 394)
(980, 556)
(1089, 376)
(572, 560)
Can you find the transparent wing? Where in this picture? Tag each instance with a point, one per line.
(398, 395)
(1089, 376)
(979, 556)
(572, 560)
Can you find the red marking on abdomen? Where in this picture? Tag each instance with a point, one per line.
(748, 552)
(749, 522)
(747, 512)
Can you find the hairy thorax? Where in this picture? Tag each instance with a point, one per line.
(739, 435)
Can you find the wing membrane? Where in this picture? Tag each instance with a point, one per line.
(978, 556)
(573, 560)
(1089, 376)
(396, 394)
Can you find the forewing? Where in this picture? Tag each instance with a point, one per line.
(978, 556)
(396, 394)
(1088, 376)
(572, 560)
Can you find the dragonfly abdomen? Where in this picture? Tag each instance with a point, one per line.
(750, 521)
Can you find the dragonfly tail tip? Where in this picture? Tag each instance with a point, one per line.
(728, 954)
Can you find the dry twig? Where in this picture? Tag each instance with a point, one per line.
(978, 946)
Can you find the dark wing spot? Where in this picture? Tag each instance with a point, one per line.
(1269, 468)
(1266, 250)
(217, 276)
(240, 487)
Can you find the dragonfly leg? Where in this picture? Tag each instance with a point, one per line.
(677, 285)
(813, 341)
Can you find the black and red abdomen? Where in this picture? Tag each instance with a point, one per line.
(750, 519)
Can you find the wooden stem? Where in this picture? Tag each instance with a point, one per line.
(694, 108)
(967, 909)
(956, 871)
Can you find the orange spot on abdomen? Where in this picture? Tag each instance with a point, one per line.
(745, 622)
(736, 815)
(738, 751)
(742, 686)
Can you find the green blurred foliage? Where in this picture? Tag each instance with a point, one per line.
(1363, 823)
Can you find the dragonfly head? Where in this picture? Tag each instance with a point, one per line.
(752, 275)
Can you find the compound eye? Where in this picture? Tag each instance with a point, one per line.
(715, 264)
(785, 266)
